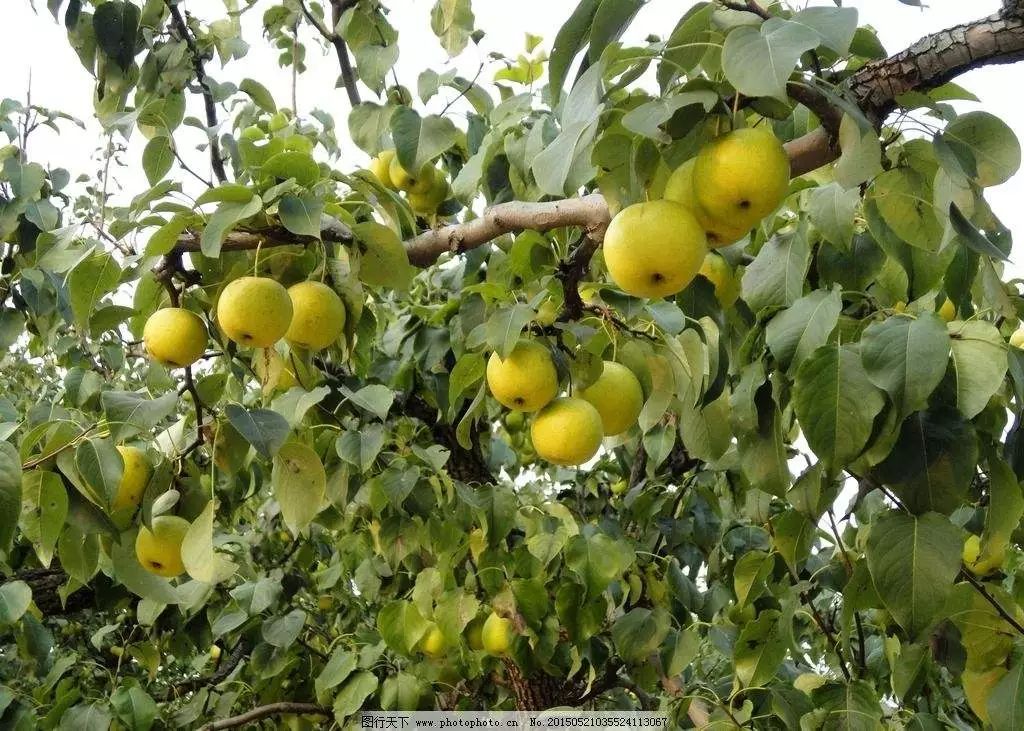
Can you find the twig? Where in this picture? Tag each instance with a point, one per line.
(211, 110)
(750, 6)
(348, 77)
(464, 91)
(570, 273)
(220, 674)
(980, 588)
(271, 709)
(187, 169)
(861, 643)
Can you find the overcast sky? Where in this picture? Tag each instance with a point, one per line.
(36, 43)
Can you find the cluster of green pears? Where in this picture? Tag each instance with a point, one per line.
(426, 190)
(566, 430)
(492, 635)
(254, 312)
(656, 248)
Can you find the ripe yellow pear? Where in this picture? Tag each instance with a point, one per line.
(254, 311)
(679, 188)
(617, 396)
(947, 311)
(318, 316)
(526, 380)
(1017, 338)
(134, 479)
(404, 180)
(741, 176)
(496, 635)
(982, 565)
(567, 432)
(159, 550)
(380, 166)
(174, 337)
(426, 203)
(654, 249)
(717, 271)
(433, 644)
(475, 634)
(978, 685)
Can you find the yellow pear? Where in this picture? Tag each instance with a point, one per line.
(174, 337)
(679, 188)
(947, 311)
(526, 380)
(1017, 338)
(496, 635)
(741, 176)
(159, 550)
(254, 311)
(978, 687)
(982, 565)
(654, 249)
(380, 166)
(567, 431)
(426, 203)
(617, 396)
(716, 270)
(433, 644)
(318, 316)
(404, 180)
(475, 634)
(134, 479)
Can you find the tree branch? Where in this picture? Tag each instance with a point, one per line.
(271, 709)
(348, 77)
(211, 110)
(1000, 610)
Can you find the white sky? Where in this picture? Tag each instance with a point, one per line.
(38, 43)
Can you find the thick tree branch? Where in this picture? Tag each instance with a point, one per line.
(271, 709)
(181, 27)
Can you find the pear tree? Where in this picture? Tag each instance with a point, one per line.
(680, 373)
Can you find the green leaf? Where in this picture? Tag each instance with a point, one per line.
(135, 707)
(226, 217)
(759, 61)
(101, 467)
(338, 668)
(832, 209)
(639, 632)
(401, 626)
(850, 707)
(264, 429)
(129, 413)
(776, 276)
(165, 237)
(993, 144)
(796, 332)
(904, 201)
(975, 239)
(610, 22)
(201, 561)
(88, 282)
(292, 164)
(226, 193)
(836, 404)
(15, 596)
(759, 649)
(351, 697)
(300, 485)
(861, 158)
(647, 118)
(1006, 703)
(10, 493)
(419, 141)
(301, 214)
(906, 357)
(360, 448)
(598, 560)
(913, 561)
(136, 579)
(44, 509)
(375, 398)
(116, 25)
(979, 364)
(87, 717)
(1005, 508)
(384, 261)
(285, 630)
(749, 576)
(369, 125)
(157, 158)
(452, 22)
(564, 165)
(685, 46)
(834, 26)
(505, 326)
(259, 94)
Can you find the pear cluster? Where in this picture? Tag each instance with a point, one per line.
(254, 312)
(656, 248)
(493, 635)
(566, 430)
(426, 189)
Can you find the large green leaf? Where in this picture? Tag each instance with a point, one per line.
(776, 276)
(639, 632)
(833, 210)
(598, 560)
(157, 159)
(264, 429)
(991, 142)
(913, 561)
(452, 23)
(979, 364)
(15, 596)
(835, 26)
(850, 707)
(301, 214)
(44, 509)
(10, 493)
(201, 561)
(116, 25)
(796, 332)
(300, 484)
(384, 261)
(353, 694)
(401, 626)
(130, 413)
(904, 200)
(101, 467)
(569, 41)
(420, 140)
(1006, 703)
(836, 403)
(760, 649)
(88, 282)
(906, 357)
(226, 217)
(759, 61)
